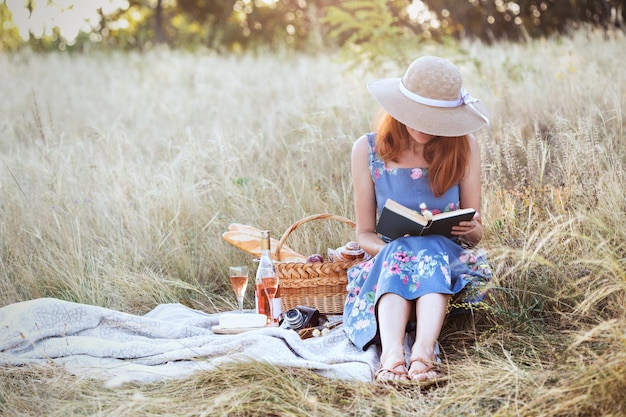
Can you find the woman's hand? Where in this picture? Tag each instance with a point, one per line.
(469, 231)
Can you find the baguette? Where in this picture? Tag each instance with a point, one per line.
(248, 239)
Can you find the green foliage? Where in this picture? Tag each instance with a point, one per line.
(369, 32)
(10, 39)
(521, 20)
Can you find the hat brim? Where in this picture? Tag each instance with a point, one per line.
(439, 121)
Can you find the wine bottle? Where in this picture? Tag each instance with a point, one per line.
(265, 269)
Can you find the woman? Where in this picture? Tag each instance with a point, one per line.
(423, 156)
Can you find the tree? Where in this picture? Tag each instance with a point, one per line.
(212, 16)
(371, 31)
(368, 30)
(493, 20)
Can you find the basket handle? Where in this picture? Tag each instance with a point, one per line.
(297, 224)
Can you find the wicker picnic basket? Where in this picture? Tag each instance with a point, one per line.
(320, 285)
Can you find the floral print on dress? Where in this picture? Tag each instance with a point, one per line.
(447, 208)
(417, 173)
(384, 170)
(409, 269)
(378, 168)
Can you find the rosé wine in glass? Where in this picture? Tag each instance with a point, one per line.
(239, 283)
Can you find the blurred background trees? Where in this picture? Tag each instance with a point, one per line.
(238, 25)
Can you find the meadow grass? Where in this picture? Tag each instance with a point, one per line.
(120, 171)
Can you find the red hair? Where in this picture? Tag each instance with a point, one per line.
(447, 156)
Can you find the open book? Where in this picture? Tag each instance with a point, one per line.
(397, 220)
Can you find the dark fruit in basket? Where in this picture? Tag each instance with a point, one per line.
(315, 258)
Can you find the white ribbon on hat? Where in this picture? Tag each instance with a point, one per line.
(464, 98)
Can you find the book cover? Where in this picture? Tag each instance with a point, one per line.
(397, 220)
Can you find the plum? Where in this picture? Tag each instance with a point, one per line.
(315, 258)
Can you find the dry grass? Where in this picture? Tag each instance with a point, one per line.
(119, 172)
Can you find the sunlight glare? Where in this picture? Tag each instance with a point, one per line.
(415, 9)
(419, 12)
(70, 16)
(270, 3)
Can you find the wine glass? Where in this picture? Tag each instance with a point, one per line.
(270, 285)
(239, 282)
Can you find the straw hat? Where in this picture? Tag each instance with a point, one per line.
(430, 98)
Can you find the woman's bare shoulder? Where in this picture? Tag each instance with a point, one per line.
(360, 145)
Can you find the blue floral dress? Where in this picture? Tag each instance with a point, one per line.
(410, 266)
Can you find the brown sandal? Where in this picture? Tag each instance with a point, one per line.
(402, 374)
(429, 367)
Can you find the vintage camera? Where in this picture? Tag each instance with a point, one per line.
(300, 318)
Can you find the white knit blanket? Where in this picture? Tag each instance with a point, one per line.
(171, 341)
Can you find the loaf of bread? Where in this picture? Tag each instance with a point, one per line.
(248, 239)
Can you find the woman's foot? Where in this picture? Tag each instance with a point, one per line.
(395, 371)
(421, 369)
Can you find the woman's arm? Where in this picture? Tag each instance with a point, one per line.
(471, 196)
(364, 199)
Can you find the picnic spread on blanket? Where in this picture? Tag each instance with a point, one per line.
(174, 341)
(171, 341)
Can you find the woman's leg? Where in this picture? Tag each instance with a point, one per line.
(393, 314)
(430, 310)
